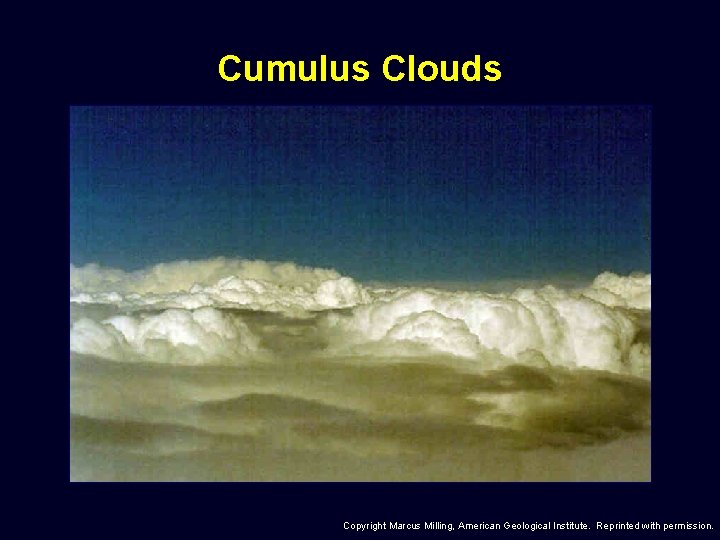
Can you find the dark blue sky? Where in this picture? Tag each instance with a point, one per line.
(380, 193)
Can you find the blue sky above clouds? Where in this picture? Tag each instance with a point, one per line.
(390, 193)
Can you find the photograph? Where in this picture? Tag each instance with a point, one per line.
(360, 293)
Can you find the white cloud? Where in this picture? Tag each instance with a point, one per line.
(174, 336)
(217, 282)
(587, 328)
(628, 291)
(567, 329)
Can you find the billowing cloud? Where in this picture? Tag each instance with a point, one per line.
(217, 282)
(561, 328)
(182, 275)
(590, 327)
(613, 290)
(200, 336)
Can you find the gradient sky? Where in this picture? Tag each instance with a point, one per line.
(388, 193)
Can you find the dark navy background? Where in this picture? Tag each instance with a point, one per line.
(578, 58)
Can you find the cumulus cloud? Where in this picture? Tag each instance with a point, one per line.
(174, 336)
(182, 275)
(628, 291)
(586, 328)
(235, 356)
(217, 282)
(559, 327)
